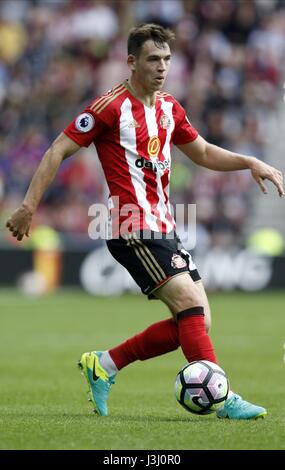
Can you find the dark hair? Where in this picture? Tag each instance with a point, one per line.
(142, 33)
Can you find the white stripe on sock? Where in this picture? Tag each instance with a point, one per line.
(107, 363)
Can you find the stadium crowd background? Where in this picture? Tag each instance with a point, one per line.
(58, 55)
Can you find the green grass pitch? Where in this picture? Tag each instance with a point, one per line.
(43, 396)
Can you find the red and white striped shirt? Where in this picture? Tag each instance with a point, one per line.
(134, 143)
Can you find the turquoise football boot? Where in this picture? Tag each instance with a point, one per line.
(98, 380)
(237, 408)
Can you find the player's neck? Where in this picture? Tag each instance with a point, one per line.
(147, 97)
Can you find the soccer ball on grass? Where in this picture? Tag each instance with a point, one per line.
(201, 387)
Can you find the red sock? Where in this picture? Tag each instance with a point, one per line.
(157, 339)
(194, 341)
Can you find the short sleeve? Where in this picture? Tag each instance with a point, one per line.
(85, 128)
(183, 132)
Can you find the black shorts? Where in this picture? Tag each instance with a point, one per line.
(152, 262)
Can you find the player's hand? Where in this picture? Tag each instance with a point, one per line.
(19, 223)
(261, 171)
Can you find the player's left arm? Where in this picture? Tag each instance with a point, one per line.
(216, 158)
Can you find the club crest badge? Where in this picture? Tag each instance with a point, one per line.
(165, 122)
(178, 262)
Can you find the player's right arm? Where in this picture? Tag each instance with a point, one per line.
(20, 221)
(87, 127)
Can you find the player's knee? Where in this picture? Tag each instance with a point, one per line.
(180, 294)
(185, 299)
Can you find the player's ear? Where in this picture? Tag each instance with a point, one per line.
(131, 62)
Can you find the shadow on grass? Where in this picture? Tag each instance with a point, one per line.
(114, 418)
(161, 419)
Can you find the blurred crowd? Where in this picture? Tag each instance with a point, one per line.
(56, 56)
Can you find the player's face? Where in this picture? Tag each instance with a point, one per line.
(151, 67)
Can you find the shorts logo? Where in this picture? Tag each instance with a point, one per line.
(178, 262)
(85, 122)
(165, 122)
(153, 146)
